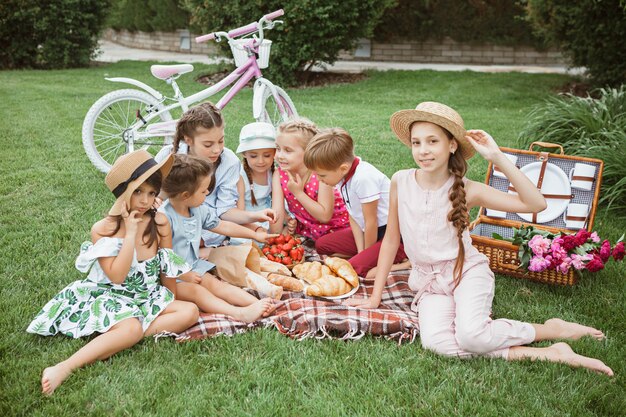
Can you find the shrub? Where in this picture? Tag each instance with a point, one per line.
(148, 16)
(589, 127)
(49, 34)
(314, 31)
(501, 22)
(590, 32)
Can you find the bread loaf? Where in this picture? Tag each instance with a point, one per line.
(262, 285)
(328, 285)
(343, 269)
(288, 283)
(271, 266)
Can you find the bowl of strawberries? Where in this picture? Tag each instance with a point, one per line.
(284, 249)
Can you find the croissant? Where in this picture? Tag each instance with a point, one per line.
(343, 269)
(311, 271)
(263, 286)
(288, 283)
(271, 266)
(328, 285)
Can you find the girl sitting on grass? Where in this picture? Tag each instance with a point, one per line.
(127, 294)
(429, 209)
(187, 187)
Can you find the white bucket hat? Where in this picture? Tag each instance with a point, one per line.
(257, 135)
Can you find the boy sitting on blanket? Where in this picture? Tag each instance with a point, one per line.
(365, 192)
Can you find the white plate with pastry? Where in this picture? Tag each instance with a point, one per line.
(333, 280)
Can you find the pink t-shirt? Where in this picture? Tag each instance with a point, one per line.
(308, 225)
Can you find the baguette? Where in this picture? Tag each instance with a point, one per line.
(288, 283)
(263, 286)
(271, 266)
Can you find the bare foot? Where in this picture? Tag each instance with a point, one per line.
(254, 311)
(572, 331)
(54, 376)
(271, 307)
(561, 352)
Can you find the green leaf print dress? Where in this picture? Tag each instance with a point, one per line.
(95, 303)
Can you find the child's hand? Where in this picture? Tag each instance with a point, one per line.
(131, 220)
(483, 143)
(292, 224)
(295, 184)
(157, 203)
(262, 236)
(361, 303)
(266, 215)
(191, 276)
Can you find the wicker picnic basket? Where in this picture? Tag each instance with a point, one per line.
(503, 256)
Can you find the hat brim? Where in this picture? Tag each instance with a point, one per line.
(402, 120)
(164, 166)
(256, 144)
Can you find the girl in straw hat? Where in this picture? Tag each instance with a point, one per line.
(429, 209)
(200, 132)
(126, 295)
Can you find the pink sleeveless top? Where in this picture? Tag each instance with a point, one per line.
(430, 240)
(308, 225)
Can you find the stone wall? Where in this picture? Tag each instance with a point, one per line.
(179, 41)
(446, 51)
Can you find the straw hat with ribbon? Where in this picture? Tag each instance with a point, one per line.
(257, 135)
(437, 113)
(129, 172)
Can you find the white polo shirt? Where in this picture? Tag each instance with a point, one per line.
(366, 185)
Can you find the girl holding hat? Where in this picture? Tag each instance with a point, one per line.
(429, 209)
(126, 295)
(200, 132)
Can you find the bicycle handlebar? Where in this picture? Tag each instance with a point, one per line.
(243, 30)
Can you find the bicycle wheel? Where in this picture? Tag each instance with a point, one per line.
(270, 111)
(112, 121)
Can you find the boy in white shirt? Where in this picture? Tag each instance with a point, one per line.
(365, 192)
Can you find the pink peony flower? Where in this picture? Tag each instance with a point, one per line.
(539, 245)
(594, 237)
(569, 242)
(578, 261)
(605, 251)
(538, 264)
(564, 266)
(558, 252)
(618, 251)
(595, 264)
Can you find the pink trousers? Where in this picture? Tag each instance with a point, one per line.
(456, 321)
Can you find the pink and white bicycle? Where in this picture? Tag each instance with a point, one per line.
(124, 120)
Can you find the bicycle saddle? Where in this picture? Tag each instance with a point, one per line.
(163, 72)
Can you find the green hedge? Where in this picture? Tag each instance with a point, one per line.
(500, 22)
(590, 32)
(313, 30)
(49, 34)
(148, 16)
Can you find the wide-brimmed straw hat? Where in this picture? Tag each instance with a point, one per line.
(129, 172)
(257, 135)
(437, 113)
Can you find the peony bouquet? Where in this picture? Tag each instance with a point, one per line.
(540, 250)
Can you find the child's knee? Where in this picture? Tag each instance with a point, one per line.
(131, 329)
(322, 247)
(440, 343)
(189, 313)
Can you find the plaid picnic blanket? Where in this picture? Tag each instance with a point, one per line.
(299, 316)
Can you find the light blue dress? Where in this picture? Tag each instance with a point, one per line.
(224, 195)
(186, 233)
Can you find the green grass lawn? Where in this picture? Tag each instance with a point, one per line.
(50, 195)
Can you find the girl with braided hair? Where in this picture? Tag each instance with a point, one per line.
(429, 209)
(317, 207)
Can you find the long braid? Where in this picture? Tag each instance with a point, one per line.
(248, 171)
(305, 127)
(458, 215)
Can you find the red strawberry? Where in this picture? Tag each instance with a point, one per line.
(287, 260)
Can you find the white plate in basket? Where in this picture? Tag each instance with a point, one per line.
(555, 181)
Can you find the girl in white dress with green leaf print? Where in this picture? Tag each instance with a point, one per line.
(128, 293)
